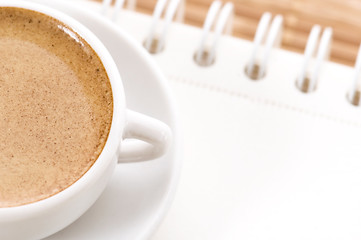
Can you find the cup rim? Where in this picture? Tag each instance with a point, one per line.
(112, 144)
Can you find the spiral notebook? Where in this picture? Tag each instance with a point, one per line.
(271, 136)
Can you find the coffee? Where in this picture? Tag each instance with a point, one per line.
(56, 106)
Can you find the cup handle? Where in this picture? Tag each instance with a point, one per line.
(154, 136)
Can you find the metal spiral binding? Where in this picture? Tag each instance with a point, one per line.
(155, 40)
(221, 20)
(307, 79)
(354, 95)
(267, 37)
(119, 4)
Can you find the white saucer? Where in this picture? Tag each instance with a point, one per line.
(138, 196)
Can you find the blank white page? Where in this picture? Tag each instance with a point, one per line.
(262, 160)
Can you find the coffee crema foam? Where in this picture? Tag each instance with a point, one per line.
(56, 106)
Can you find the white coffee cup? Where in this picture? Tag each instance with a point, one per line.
(45, 217)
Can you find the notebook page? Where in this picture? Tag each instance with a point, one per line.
(262, 160)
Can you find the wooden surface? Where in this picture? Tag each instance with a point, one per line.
(344, 16)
